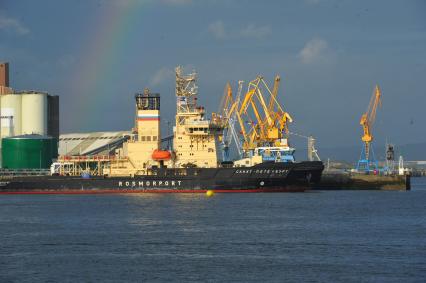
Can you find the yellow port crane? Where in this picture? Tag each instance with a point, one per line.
(367, 121)
(270, 121)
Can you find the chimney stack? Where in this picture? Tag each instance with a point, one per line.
(4, 74)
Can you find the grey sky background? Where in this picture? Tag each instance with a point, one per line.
(330, 55)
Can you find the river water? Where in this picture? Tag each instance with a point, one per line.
(326, 236)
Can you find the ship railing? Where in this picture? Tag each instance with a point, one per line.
(88, 158)
(197, 122)
(24, 172)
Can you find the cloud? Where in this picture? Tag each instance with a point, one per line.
(218, 30)
(253, 31)
(313, 50)
(162, 75)
(12, 25)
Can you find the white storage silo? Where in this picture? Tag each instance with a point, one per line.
(34, 113)
(10, 110)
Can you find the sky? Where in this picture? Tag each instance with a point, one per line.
(96, 54)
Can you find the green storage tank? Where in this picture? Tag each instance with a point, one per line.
(28, 152)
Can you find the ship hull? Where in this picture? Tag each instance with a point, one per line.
(265, 177)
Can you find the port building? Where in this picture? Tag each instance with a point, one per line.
(27, 118)
(94, 143)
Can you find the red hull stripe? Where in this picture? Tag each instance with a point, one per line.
(148, 119)
(90, 192)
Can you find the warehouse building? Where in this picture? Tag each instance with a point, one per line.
(95, 143)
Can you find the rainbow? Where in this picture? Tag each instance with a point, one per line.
(96, 70)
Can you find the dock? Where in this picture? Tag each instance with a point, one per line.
(343, 180)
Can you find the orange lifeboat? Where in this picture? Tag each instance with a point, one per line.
(161, 155)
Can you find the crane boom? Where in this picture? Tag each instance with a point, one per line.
(274, 93)
(264, 107)
(376, 103)
(369, 117)
(226, 100)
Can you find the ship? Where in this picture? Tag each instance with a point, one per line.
(192, 165)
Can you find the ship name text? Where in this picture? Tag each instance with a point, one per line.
(261, 171)
(149, 183)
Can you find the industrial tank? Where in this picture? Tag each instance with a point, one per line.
(10, 106)
(53, 116)
(28, 152)
(34, 113)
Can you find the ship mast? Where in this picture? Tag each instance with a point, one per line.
(186, 92)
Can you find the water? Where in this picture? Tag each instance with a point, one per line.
(332, 236)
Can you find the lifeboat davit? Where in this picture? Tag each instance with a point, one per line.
(161, 155)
